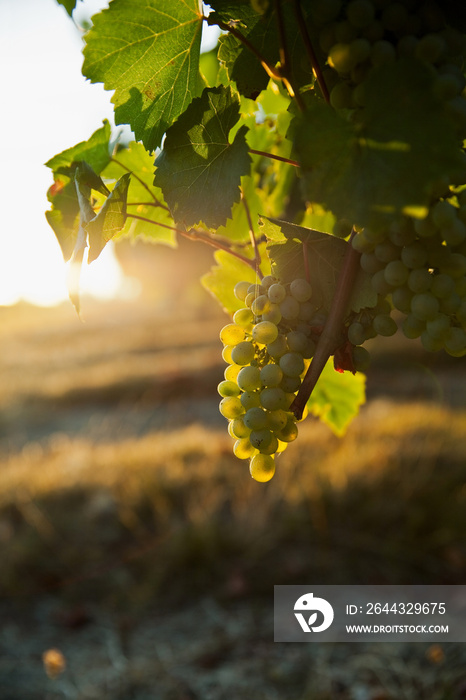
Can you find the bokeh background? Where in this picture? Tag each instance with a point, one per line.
(138, 558)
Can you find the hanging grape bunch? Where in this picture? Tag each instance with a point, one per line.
(267, 347)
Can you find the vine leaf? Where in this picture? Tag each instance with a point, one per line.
(110, 219)
(69, 5)
(337, 397)
(144, 199)
(384, 162)
(147, 51)
(199, 170)
(325, 255)
(221, 279)
(91, 157)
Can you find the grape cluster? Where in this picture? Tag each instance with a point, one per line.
(417, 266)
(268, 348)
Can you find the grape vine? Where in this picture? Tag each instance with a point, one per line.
(319, 149)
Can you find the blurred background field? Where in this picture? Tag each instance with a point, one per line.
(135, 543)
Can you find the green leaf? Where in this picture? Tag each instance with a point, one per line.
(144, 199)
(325, 255)
(69, 5)
(110, 219)
(95, 151)
(199, 170)
(221, 279)
(337, 397)
(91, 157)
(147, 51)
(384, 162)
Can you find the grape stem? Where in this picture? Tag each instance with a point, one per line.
(285, 59)
(251, 232)
(275, 157)
(202, 237)
(330, 338)
(144, 184)
(310, 51)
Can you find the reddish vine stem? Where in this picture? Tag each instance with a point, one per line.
(310, 50)
(274, 157)
(285, 59)
(331, 335)
(200, 236)
(306, 261)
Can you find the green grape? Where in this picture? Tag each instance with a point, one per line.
(414, 255)
(250, 299)
(271, 375)
(345, 32)
(455, 234)
(402, 233)
(243, 449)
(455, 344)
(360, 13)
(396, 273)
(249, 378)
(243, 318)
(290, 384)
(443, 214)
(386, 251)
(420, 280)
(231, 334)
(243, 353)
(278, 348)
(256, 289)
(362, 244)
(226, 353)
(340, 58)
(379, 284)
(429, 343)
(425, 228)
(382, 52)
(401, 299)
(262, 467)
(383, 324)
(374, 31)
(265, 332)
(273, 398)
(276, 293)
(309, 350)
(446, 86)
(297, 342)
(360, 50)
(273, 315)
(361, 358)
(425, 306)
(241, 290)
(289, 432)
(267, 281)
(250, 399)
(260, 439)
(412, 326)
(451, 304)
(370, 263)
(406, 47)
(292, 364)
(430, 48)
(231, 407)
(461, 313)
(255, 418)
(238, 429)
(442, 286)
(231, 372)
(459, 286)
(438, 327)
(359, 96)
(260, 305)
(301, 290)
(228, 388)
(289, 308)
(341, 96)
(356, 333)
(454, 265)
(327, 37)
(306, 311)
(271, 448)
(277, 419)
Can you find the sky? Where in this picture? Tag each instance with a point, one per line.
(47, 106)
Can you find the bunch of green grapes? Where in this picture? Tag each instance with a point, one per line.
(417, 267)
(268, 348)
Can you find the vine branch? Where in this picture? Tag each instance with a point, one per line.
(330, 338)
(201, 236)
(310, 50)
(274, 157)
(285, 59)
(257, 256)
(144, 184)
